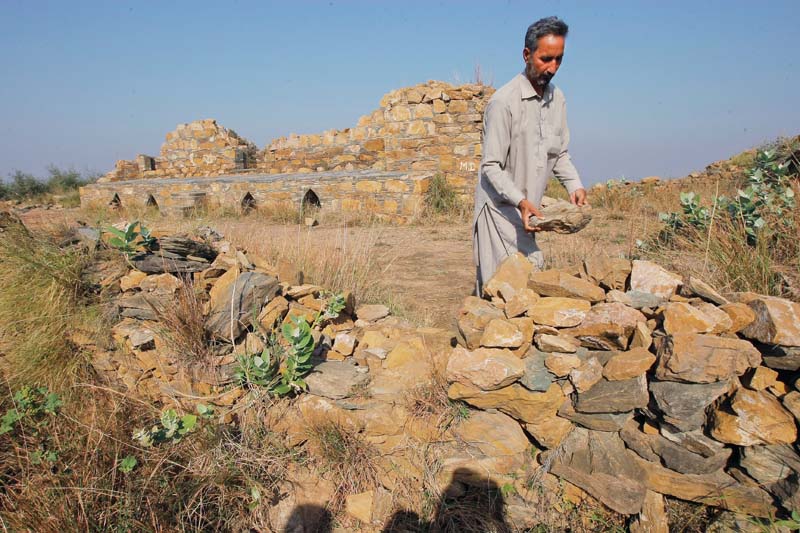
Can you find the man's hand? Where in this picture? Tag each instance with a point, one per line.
(579, 198)
(526, 209)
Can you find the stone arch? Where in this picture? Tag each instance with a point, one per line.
(115, 202)
(151, 202)
(248, 203)
(310, 200)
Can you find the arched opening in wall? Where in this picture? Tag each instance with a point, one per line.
(151, 202)
(248, 203)
(115, 202)
(310, 200)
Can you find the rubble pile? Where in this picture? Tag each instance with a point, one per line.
(640, 383)
(619, 382)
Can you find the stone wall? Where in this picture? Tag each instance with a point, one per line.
(200, 148)
(431, 127)
(394, 195)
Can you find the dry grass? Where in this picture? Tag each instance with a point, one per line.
(206, 482)
(183, 324)
(344, 458)
(339, 259)
(43, 302)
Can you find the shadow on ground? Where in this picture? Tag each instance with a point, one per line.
(471, 503)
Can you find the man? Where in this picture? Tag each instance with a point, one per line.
(524, 142)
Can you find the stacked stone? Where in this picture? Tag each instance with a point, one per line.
(432, 126)
(199, 148)
(640, 383)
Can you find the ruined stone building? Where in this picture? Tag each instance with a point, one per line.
(382, 165)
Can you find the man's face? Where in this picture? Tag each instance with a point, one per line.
(542, 64)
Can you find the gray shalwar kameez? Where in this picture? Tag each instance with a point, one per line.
(524, 142)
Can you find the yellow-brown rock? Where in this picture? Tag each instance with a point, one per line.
(586, 375)
(273, 312)
(559, 312)
(473, 317)
(550, 430)
(562, 364)
(557, 283)
(611, 273)
(359, 506)
(683, 318)
(510, 277)
(721, 322)
(761, 378)
(557, 343)
(500, 333)
(521, 302)
(740, 314)
(514, 400)
(641, 337)
(753, 418)
(627, 365)
(777, 321)
(485, 368)
(653, 516)
(792, 402)
(131, 280)
(651, 278)
(696, 358)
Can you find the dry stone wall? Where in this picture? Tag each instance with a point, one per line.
(617, 381)
(626, 381)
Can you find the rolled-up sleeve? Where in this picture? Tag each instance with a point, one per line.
(564, 171)
(496, 144)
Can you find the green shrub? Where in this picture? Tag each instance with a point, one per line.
(748, 242)
(441, 197)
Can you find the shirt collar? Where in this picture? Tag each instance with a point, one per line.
(527, 91)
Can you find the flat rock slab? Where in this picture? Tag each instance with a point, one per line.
(335, 379)
(372, 312)
(561, 217)
(652, 278)
(240, 303)
(596, 421)
(598, 463)
(614, 396)
(485, 368)
(697, 358)
(717, 489)
(684, 404)
(558, 283)
(671, 454)
(160, 262)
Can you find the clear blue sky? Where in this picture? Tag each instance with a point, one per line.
(653, 88)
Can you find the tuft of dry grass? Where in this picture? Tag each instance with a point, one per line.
(344, 457)
(183, 325)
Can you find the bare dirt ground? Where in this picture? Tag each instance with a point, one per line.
(422, 271)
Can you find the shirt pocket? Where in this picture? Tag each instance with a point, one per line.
(552, 140)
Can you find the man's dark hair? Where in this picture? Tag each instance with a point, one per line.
(546, 26)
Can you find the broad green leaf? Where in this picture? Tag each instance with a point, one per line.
(127, 464)
(282, 389)
(188, 423)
